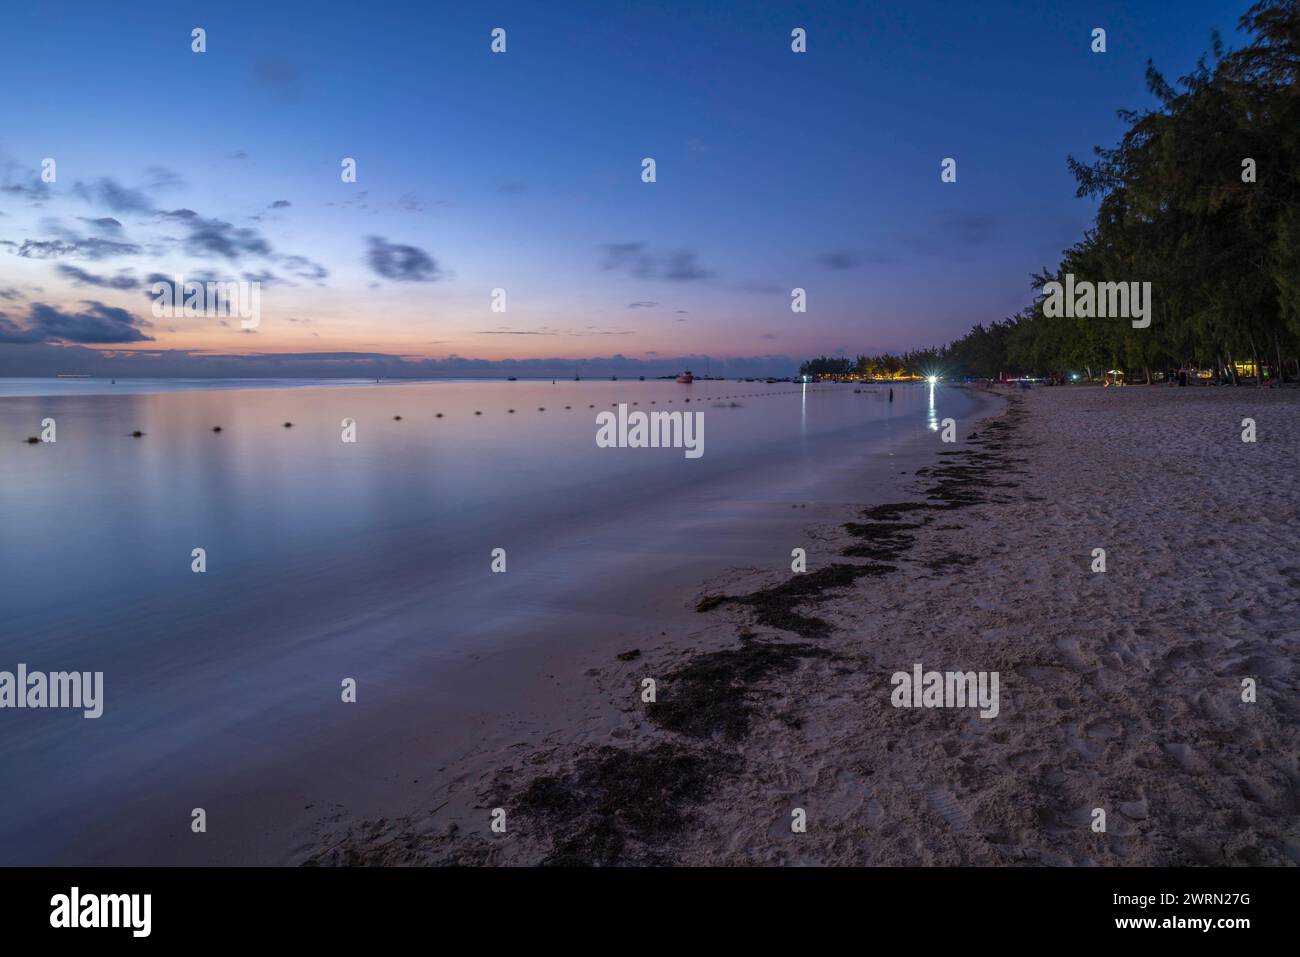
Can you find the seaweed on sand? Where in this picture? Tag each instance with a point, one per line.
(710, 694)
(619, 806)
(776, 606)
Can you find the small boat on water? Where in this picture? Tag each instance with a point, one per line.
(686, 378)
(511, 378)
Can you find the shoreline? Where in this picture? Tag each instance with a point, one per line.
(1121, 691)
(440, 837)
(509, 682)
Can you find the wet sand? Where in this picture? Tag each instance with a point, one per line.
(1120, 691)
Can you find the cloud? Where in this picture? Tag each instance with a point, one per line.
(215, 237)
(280, 204)
(642, 305)
(304, 268)
(80, 277)
(160, 177)
(840, 260)
(97, 324)
(180, 215)
(88, 248)
(24, 183)
(113, 195)
(10, 293)
(638, 260)
(401, 263)
(45, 249)
(515, 332)
(105, 224)
(267, 278)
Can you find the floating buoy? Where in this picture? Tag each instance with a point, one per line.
(288, 425)
(32, 440)
(136, 434)
(216, 428)
(397, 418)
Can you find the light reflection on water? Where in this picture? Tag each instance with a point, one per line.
(313, 544)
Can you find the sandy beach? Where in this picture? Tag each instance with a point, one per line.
(1120, 690)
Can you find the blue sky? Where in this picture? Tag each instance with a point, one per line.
(522, 171)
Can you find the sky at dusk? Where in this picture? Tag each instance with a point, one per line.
(522, 171)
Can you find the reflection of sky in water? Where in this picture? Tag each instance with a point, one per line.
(320, 553)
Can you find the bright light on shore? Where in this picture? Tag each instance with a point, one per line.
(932, 379)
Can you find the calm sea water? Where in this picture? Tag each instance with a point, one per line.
(328, 559)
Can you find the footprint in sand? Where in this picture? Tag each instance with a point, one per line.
(1069, 649)
(946, 806)
(1104, 730)
(1182, 756)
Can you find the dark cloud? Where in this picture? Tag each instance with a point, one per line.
(280, 204)
(114, 196)
(88, 248)
(642, 305)
(401, 263)
(80, 277)
(217, 294)
(10, 293)
(215, 237)
(45, 249)
(105, 224)
(97, 324)
(638, 260)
